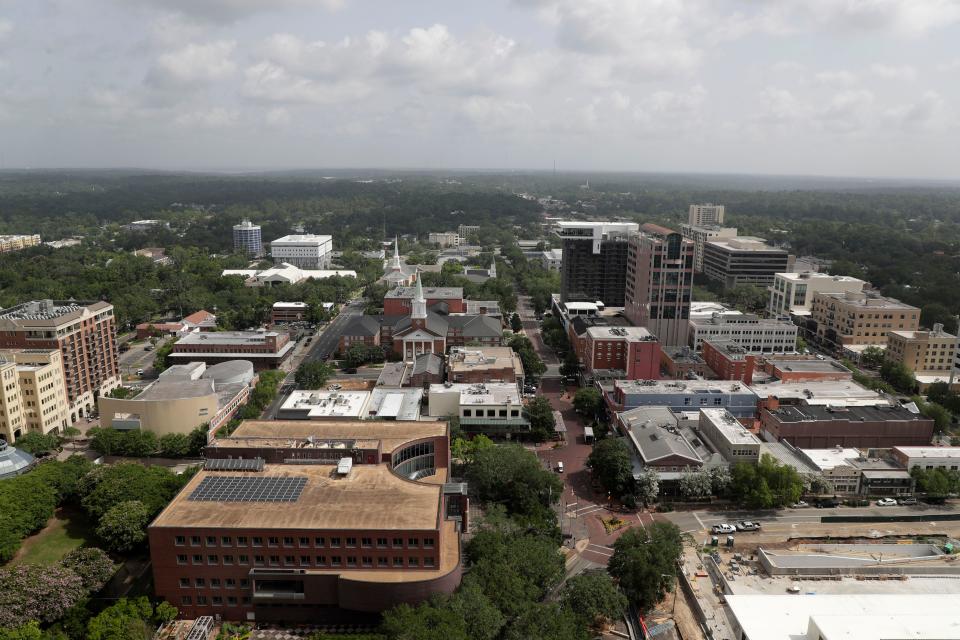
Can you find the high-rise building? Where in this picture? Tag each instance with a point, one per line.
(792, 293)
(246, 238)
(594, 261)
(706, 215)
(40, 384)
(700, 236)
(306, 251)
(659, 283)
(85, 335)
(744, 260)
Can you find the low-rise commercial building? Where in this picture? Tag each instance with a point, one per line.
(825, 393)
(654, 434)
(306, 251)
(682, 362)
(792, 293)
(265, 349)
(552, 259)
(928, 354)
(861, 427)
(285, 273)
(287, 312)
(487, 364)
(679, 396)
(729, 437)
(927, 457)
(851, 319)
(259, 535)
(753, 333)
(837, 466)
(632, 353)
(494, 408)
(743, 260)
(444, 239)
(804, 368)
(183, 398)
(728, 360)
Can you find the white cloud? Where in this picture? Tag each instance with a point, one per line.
(835, 78)
(893, 71)
(277, 117)
(846, 111)
(215, 118)
(269, 82)
(6, 28)
(194, 64)
(232, 10)
(927, 112)
(488, 113)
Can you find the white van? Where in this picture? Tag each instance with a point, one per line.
(560, 467)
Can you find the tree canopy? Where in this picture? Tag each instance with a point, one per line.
(644, 562)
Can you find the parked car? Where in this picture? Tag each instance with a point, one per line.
(560, 467)
(828, 503)
(723, 527)
(800, 504)
(907, 502)
(886, 502)
(139, 372)
(748, 525)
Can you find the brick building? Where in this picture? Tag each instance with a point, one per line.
(804, 368)
(265, 349)
(399, 301)
(634, 351)
(369, 524)
(287, 312)
(729, 360)
(682, 362)
(487, 364)
(85, 334)
(861, 427)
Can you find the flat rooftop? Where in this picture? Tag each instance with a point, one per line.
(822, 413)
(430, 293)
(682, 387)
(681, 354)
(370, 497)
(391, 434)
(303, 238)
(176, 389)
(463, 359)
(481, 393)
(806, 276)
(395, 404)
(826, 459)
(930, 452)
(620, 333)
(393, 374)
(328, 404)
(728, 426)
(50, 309)
(807, 365)
(822, 392)
(871, 300)
(744, 243)
(290, 305)
(846, 617)
(924, 335)
(228, 337)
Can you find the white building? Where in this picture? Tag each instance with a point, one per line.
(700, 236)
(444, 239)
(827, 393)
(928, 457)
(552, 259)
(247, 238)
(792, 293)
(324, 405)
(837, 466)
(285, 274)
(488, 407)
(734, 441)
(861, 616)
(754, 334)
(706, 215)
(306, 251)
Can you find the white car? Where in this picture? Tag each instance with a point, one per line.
(799, 505)
(886, 502)
(723, 528)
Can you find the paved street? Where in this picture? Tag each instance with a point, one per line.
(138, 357)
(325, 344)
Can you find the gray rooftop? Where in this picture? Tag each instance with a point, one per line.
(394, 374)
(428, 292)
(227, 337)
(655, 434)
(177, 389)
(808, 413)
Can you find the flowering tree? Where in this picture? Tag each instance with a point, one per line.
(31, 592)
(93, 566)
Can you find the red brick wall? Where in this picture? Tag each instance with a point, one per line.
(727, 368)
(825, 434)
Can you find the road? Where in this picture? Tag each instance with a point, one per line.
(531, 329)
(138, 357)
(327, 342)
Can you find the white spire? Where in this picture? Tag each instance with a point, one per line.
(493, 267)
(418, 309)
(396, 255)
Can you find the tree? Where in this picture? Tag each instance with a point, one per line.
(125, 620)
(588, 402)
(593, 596)
(570, 365)
(696, 484)
(898, 376)
(28, 631)
(644, 562)
(481, 617)
(532, 364)
(175, 445)
(934, 313)
(546, 621)
(647, 486)
(34, 592)
(124, 526)
(611, 464)
(38, 443)
(359, 354)
(109, 485)
(160, 360)
(801, 345)
(512, 476)
(465, 449)
(424, 622)
(93, 566)
(516, 325)
(313, 374)
(768, 484)
(872, 357)
(542, 422)
(720, 480)
(165, 612)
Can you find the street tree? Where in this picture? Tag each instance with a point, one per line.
(594, 597)
(696, 485)
(546, 621)
(872, 357)
(644, 562)
(611, 465)
(516, 325)
(512, 476)
(313, 374)
(588, 402)
(542, 422)
(647, 486)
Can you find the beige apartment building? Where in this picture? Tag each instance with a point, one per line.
(929, 354)
(10, 243)
(34, 396)
(852, 319)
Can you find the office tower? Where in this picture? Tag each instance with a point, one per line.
(246, 237)
(659, 283)
(306, 251)
(594, 261)
(706, 215)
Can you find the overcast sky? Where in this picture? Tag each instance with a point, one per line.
(823, 87)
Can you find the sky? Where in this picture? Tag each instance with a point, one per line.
(810, 87)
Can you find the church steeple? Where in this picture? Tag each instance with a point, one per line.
(493, 267)
(418, 308)
(395, 265)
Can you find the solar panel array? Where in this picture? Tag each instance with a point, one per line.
(233, 464)
(246, 489)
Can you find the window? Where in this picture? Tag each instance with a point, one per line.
(258, 561)
(413, 542)
(181, 559)
(195, 541)
(381, 542)
(382, 561)
(257, 541)
(202, 601)
(398, 561)
(213, 559)
(319, 542)
(428, 561)
(197, 558)
(428, 543)
(288, 559)
(226, 541)
(304, 541)
(274, 561)
(334, 561)
(467, 413)
(413, 561)
(351, 542)
(244, 583)
(211, 541)
(214, 583)
(200, 582)
(227, 559)
(366, 561)
(243, 559)
(218, 601)
(241, 541)
(398, 542)
(230, 583)
(351, 561)
(186, 600)
(366, 542)
(184, 583)
(321, 561)
(273, 541)
(335, 541)
(180, 541)
(288, 541)
(305, 561)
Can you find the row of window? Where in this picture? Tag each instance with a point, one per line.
(490, 413)
(306, 561)
(302, 541)
(216, 601)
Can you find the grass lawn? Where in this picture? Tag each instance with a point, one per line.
(67, 530)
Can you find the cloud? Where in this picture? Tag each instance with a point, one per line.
(835, 78)
(226, 11)
(6, 28)
(194, 64)
(277, 117)
(846, 112)
(893, 71)
(269, 82)
(214, 118)
(493, 114)
(927, 112)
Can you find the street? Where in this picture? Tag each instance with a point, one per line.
(325, 344)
